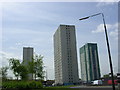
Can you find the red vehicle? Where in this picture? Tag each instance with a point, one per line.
(110, 82)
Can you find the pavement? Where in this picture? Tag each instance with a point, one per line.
(94, 87)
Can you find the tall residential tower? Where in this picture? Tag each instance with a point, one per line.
(27, 57)
(65, 55)
(90, 69)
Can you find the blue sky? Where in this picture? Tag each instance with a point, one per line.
(34, 23)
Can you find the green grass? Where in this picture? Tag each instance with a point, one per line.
(68, 86)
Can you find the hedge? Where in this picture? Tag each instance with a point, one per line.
(22, 85)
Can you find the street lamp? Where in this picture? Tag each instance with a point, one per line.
(108, 47)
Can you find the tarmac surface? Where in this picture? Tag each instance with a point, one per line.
(94, 88)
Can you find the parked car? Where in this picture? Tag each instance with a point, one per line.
(96, 82)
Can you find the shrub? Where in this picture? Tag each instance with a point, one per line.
(22, 85)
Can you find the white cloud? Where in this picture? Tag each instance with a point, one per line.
(100, 28)
(5, 56)
(114, 34)
(112, 29)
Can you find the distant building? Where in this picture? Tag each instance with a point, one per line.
(27, 56)
(65, 55)
(90, 69)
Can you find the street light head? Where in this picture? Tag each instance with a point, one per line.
(90, 16)
(83, 18)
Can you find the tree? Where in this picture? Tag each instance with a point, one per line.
(23, 72)
(39, 66)
(106, 76)
(14, 63)
(3, 72)
(31, 67)
(19, 70)
(36, 67)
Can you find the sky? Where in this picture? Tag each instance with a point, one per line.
(33, 24)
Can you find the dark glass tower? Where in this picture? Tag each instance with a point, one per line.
(89, 60)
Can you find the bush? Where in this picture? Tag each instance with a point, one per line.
(22, 85)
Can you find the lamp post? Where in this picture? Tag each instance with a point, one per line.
(108, 46)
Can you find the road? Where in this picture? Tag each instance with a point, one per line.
(94, 88)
